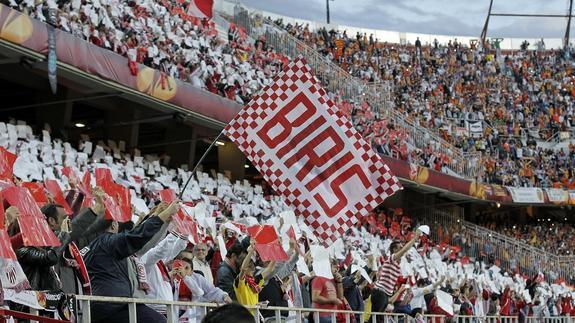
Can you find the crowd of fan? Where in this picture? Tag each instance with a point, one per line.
(383, 264)
(160, 35)
(443, 88)
(546, 234)
(513, 96)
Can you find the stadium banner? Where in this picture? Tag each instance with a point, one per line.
(556, 195)
(526, 194)
(475, 128)
(30, 33)
(311, 153)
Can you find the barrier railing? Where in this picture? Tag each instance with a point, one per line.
(300, 315)
(514, 254)
(297, 314)
(338, 81)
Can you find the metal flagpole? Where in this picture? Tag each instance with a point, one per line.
(199, 162)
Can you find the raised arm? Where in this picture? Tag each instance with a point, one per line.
(247, 259)
(394, 297)
(397, 256)
(166, 250)
(268, 270)
(125, 244)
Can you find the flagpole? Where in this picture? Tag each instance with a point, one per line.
(199, 162)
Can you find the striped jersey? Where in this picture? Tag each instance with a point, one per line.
(387, 276)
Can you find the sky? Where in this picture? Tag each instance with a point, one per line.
(444, 17)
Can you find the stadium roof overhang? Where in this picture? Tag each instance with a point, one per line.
(93, 85)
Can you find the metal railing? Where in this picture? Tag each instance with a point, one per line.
(297, 314)
(514, 254)
(338, 81)
(477, 241)
(300, 315)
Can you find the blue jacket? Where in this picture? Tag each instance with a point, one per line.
(107, 266)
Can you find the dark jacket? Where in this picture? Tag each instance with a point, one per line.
(274, 294)
(225, 279)
(37, 265)
(352, 294)
(107, 266)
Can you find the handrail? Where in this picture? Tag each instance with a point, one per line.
(87, 299)
(387, 317)
(336, 80)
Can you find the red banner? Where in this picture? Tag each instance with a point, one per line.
(54, 188)
(33, 226)
(311, 154)
(117, 197)
(184, 224)
(37, 191)
(7, 160)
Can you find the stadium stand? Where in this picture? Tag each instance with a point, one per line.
(127, 249)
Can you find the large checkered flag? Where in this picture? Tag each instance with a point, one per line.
(310, 153)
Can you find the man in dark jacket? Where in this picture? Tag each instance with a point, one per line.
(38, 263)
(108, 268)
(228, 270)
(352, 293)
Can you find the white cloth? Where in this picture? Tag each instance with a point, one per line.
(166, 250)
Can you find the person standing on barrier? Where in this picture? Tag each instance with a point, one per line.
(107, 264)
(388, 275)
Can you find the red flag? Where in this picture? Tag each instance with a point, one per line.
(267, 242)
(11, 274)
(263, 234)
(104, 179)
(33, 226)
(7, 160)
(88, 198)
(113, 210)
(81, 269)
(271, 251)
(184, 224)
(80, 184)
(311, 153)
(37, 192)
(117, 197)
(201, 8)
(54, 188)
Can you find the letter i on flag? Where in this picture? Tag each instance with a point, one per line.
(201, 8)
(311, 153)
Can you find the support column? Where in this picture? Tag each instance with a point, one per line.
(486, 26)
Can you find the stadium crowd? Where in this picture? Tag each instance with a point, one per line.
(546, 234)
(387, 263)
(443, 88)
(160, 35)
(514, 99)
(401, 270)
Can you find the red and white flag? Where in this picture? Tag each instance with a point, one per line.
(201, 8)
(310, 153)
